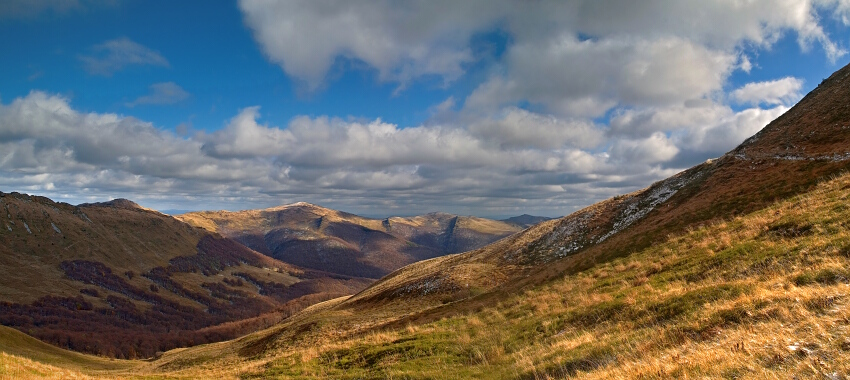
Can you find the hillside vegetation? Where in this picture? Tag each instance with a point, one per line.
(118, 280)
(762, 295)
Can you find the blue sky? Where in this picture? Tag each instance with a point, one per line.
(491, 108)
(211, 55)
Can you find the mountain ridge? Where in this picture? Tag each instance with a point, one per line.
(317, 237)
(79, 276)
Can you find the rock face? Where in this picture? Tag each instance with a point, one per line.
(315, 237)
(118, 280)
(790, 155)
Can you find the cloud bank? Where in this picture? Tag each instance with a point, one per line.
(490, 166)
(586, 100)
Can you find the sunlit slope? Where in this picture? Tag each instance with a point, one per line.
(806, 144)
(763, 295)
(14, 342)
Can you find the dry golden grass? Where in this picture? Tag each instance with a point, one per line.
(763, 296)
(759, 296)
(15, 367)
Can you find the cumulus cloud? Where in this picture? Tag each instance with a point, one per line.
(51, 148)
(244, 137)
(653, 149)
(536, 160)
(587, 78)
(728, 131)
(643, 122)
(662, 50)
(518, 128)
(781, 91)
(114, 55)
(401, 41)
(162, 93)
(699, 129)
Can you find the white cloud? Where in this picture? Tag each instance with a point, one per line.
(114, 55)
(162, 93)
(518, 128)
(727, 132)
(402, 41)
(243, 137)
(635, 123)
(50, 148)
(587, 78)
(652, 43)
(841, 9)
(653, 149)
(784, 91)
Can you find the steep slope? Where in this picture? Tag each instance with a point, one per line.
(119, 280)
(315, 237)
(761, 295)
(790, 155)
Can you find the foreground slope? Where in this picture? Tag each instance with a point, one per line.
(806, 144)
(316, 237)
(119, 280)
(754, 296)
(761, 295)
(736, 268)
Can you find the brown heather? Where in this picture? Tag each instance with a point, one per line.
(763, 295)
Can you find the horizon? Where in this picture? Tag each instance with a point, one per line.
(485, 108)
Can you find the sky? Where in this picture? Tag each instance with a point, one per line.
(492, 108)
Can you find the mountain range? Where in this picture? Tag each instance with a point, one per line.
(78, 276)
(315, 237)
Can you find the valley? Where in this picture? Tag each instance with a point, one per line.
(80, 276)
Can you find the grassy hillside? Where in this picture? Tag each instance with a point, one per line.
(118, 280)
(789, 156)
(762, 295)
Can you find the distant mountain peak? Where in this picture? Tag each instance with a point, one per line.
(526, 220)
(116, 203)
(296, 205)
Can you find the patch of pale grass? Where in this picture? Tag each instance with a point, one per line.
(16, 367)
